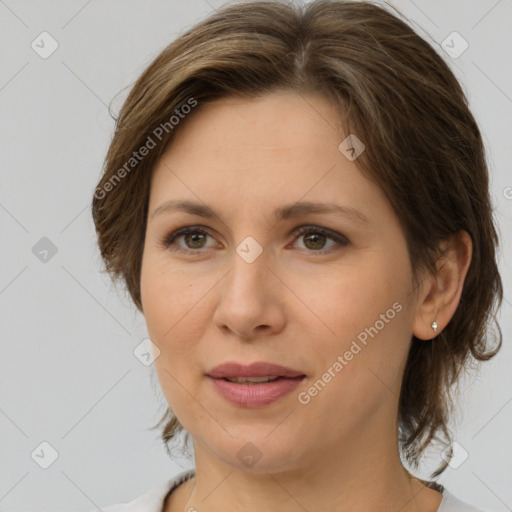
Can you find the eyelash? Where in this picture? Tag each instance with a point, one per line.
(340, 240)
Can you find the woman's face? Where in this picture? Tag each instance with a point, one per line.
(334, 303)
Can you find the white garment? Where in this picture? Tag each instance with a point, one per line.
(153, 500)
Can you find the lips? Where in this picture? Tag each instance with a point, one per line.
(232, 370)
(238, 383)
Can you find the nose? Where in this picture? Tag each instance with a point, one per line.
(251, 300)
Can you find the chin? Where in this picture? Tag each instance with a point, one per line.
(257, 449)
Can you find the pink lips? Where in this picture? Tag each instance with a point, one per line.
(254, 394)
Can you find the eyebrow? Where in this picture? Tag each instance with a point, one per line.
(282, 213)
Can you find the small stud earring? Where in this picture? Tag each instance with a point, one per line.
(434, 326)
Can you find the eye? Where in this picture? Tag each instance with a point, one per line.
(195, 238)
(316, 237)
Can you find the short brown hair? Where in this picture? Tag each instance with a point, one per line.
(423, 148)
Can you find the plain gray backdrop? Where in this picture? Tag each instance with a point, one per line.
(68, 375)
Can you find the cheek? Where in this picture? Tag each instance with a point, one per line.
(353, 297)
(174, 316)
(164, 296)
(364, 317)
(169, 317)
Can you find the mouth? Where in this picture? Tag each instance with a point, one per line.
(260, 371)
(254, 385)
(257, 380)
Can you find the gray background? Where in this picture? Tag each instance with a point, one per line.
(68, 375)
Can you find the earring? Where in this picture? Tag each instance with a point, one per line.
(434, 326)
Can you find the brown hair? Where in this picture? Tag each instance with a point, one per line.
(423, 148)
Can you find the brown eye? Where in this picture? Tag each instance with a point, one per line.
(193, 239)
(315, 239)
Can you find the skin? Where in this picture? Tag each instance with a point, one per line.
(291, 306)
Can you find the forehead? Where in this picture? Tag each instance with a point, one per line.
(283, 130)
(272, 122)
(259, 152)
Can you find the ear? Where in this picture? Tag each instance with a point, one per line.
(440, 294)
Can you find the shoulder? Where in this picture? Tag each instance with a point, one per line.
(451, 503)
(153, 499)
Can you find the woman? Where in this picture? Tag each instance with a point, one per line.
(297, 201)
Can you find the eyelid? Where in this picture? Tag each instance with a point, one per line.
(168, 240)
(340, 239)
